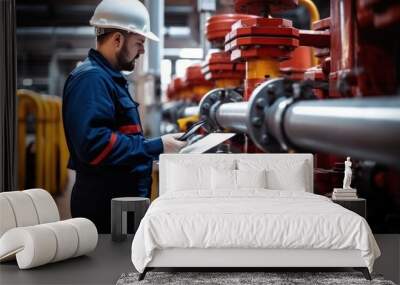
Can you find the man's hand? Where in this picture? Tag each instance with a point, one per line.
(171, 144)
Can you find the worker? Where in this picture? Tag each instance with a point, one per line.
(108, 150)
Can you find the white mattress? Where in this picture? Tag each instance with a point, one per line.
(256, 218)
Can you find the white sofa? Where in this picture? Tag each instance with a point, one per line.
(171, 233)
(31, 231)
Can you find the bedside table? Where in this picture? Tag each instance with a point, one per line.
(357, 205)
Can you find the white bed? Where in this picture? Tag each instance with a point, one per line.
(203, 219)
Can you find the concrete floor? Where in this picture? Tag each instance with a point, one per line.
(389, 263)
(102, 266)
(110, 259)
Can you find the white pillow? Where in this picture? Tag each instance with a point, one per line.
(223, 179)
(183, 176)
(291, 175)
(293, 180)
(251, 178)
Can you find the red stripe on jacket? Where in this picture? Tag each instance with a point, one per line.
(130, 129)
(106, 151)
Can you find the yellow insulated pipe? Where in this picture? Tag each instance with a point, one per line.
(28, 102)
(51, 141)
(183, 123)
(314, 16)
(227, 83)
(50, 146)
(257, 71)
(200, 91)
(259, 68)
(61, 147)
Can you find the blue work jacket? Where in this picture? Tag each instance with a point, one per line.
(102, 124)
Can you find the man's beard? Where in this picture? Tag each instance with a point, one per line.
(124, 64)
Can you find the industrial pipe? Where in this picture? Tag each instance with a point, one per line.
(364, 128)
(232, 116)
(311, 8)
(314, 16)
(210, 104)
(51, 152)
(155, 49)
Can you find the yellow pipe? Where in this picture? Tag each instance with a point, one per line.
(28, 102)
(61, 147)
(51, 148)
(312, 10)
(54, 147)
(227, 83)
(200, 91)
(51, 144)
(314, 16)
(64, 155)
(185, 94)
(260, 68)
(184, 122)
(55, 157)
(47, 146)
(26, 105)
(22, 112)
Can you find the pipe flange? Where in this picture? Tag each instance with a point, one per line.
(210, 103)
(259, 112)
(275, 121)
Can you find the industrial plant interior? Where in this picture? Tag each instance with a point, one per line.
(200, 142)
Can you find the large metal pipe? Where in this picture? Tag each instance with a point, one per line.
(364, 128)
(155, 49)
(232, 116)
(205, 8)
(218, 98)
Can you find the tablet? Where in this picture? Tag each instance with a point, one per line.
(206, 143)
(193, 128)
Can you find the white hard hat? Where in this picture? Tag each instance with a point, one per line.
(128, 15)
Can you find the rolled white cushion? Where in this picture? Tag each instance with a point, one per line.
(41, 244)
(23, 208)
(87, 235)
(33, 246)
(45, 205)
(7, 218)
(67, 240)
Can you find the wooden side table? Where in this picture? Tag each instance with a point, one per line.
(357, 205)
(119, 209)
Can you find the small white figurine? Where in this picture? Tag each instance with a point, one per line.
(347, 174)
